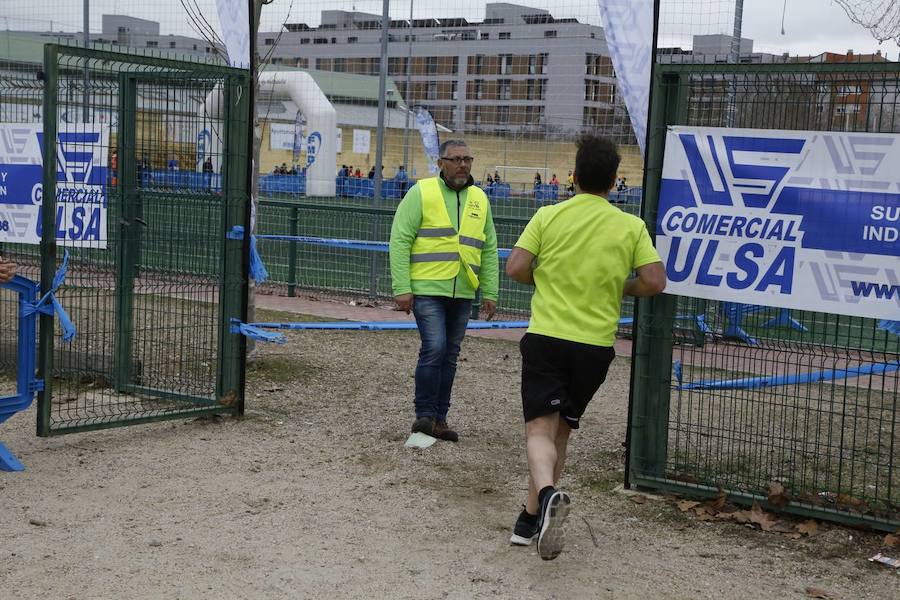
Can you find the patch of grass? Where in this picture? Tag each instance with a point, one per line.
(604, 473)
(278, 369)
(280, 316)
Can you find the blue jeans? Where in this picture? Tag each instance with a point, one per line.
(442, 326)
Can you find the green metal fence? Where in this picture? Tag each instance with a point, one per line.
(833, 445)
(152, 302)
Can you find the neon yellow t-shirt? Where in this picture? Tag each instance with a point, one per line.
(586, 249)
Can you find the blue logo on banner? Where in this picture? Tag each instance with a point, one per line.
(313, 145)
(204, 141)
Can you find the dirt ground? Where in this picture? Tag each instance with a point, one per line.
(312, 495)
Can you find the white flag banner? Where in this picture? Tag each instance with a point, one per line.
(234, 19)
(430, 141)
(628, 27)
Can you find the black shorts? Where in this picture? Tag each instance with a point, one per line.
(561, 376)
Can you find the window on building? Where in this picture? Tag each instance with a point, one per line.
(479, 63)
(334, 40)
(550, 33)
(505, 89)
(846, 90)
(153, 44)
(432, 65)
(504, 35)
(454, 90)
(485, 35)
(320, 40)
(431, 90)
(195, 46)
(171, 44)
(532, 64)
(502, 115)
(352, 40)
(530, 89)
(304, 41)
(505, 64)
(270, 41)
(543, 60)
(479, 88)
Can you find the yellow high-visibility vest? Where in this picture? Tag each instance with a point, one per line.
(439, 249)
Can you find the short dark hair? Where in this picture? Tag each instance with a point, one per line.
(596, 163)
(451, 144)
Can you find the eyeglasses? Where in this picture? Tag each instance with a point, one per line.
(458, 160)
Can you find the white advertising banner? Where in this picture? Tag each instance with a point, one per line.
(628, 28)
(81, 182)
(362, 139)
(281, 136)
(794, 219)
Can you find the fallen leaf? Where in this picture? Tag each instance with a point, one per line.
(808, 527)
(705, 516)
(686, 505)
(814, 592)
(716, 504)
(638, 499)
(793, 536)
(849, 500)
(741, 516)
(760, 517)
(783, 527)
(777, 496)
(892, 540)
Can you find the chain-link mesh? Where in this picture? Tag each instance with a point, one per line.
(761, 395)
(146, 267)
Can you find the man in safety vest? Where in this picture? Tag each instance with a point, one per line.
(579, 255)
(443, 249)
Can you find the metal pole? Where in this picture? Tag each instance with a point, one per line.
(382, 93)
(734, 58)
(87, 74)
(406, 91)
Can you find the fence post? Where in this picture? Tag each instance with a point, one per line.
(651, 375)
(292, 252)
(48, 236)
(373, 257)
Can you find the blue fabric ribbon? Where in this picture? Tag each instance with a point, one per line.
(49, 305)
(256, 333)
(257, 268)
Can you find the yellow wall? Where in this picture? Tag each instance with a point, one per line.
(489, 151)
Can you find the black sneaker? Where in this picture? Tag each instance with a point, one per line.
(423, 425)
(442, 432)
(552, 536)
(526, 529)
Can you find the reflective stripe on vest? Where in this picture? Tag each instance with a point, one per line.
(439, 251)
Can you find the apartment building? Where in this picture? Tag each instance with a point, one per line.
(519, 69)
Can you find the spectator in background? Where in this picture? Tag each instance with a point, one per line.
(358, 173)
(114, 168)
(208, 173)
(489, 181)
(343, 171)
(7, 270)
(570, 184)
(554, 181)
(173, 163)
(537, 179)
(143, 171)
(496, 177)
(372, 173)
(402, 179)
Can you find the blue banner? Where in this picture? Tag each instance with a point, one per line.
(81, 185)
(793, 219)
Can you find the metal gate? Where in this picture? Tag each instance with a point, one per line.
(152, 278)
(832, 444)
